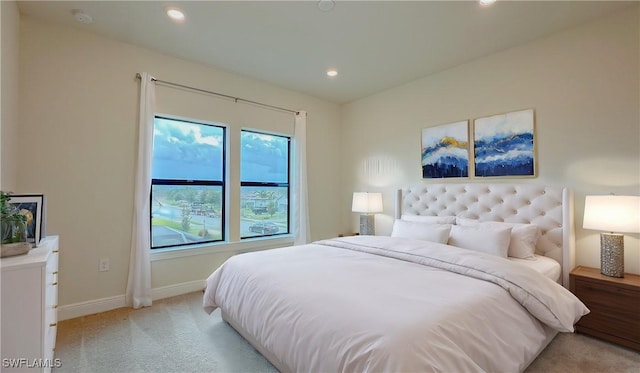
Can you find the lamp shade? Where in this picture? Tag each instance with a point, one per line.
(612, 213)
(367, 203)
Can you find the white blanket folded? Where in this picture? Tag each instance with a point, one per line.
(543, 298)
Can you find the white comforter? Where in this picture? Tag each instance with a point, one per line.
(390, 304)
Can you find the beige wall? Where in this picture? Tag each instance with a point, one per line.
(78, 113)
(583, 85)
(9, 95)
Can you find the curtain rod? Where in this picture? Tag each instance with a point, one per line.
(236, 99)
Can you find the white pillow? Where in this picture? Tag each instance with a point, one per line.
(431, 219)
(523, 236)
(421, 231)
(490, 240)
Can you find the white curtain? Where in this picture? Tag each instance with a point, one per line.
(300, 199)
(139, 282)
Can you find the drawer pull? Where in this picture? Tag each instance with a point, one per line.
(55, 273)
(56, 251)
(55, 306)
(54, 283)
(53, 324)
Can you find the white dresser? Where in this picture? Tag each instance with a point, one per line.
(29, 309)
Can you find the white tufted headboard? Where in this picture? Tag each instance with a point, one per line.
(549, 208)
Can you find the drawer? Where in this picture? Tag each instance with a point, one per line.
(612, 323)
(50, 339)
(51, 304)
(51, 288)
(627, 314)
(52, 262)
(610, 297)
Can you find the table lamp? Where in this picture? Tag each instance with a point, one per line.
(614, 214)
(367, 204)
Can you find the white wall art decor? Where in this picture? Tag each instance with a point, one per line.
(504, 144)
(445, 150)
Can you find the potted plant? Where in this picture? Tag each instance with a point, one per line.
(14, 228)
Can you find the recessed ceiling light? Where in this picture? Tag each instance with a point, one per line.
(486, 2)
(325, 5)
(332, 72)
(175, 14)
(81, 16)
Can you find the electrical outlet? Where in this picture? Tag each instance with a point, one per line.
(103, 266)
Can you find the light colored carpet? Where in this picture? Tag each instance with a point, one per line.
(176, 335)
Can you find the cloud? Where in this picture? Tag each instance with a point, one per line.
(440, 153)
(264, 157)
(508, 156)
(433, 135)
(504, 125)
(183, 150)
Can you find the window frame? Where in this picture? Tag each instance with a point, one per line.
(269, 184)
(192, 182)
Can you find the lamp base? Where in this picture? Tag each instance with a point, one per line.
(612, 254)
(367, 224)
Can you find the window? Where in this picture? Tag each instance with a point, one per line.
(264, 184)
(187, 183)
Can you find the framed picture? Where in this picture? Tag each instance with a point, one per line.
(445, 150)
(32, 207)
(504, 145)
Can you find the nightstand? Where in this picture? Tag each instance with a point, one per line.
(348, 234)
(614, 304)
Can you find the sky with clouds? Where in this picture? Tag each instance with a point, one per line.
(193, 151)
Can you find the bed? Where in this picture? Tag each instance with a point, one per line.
(404, 303)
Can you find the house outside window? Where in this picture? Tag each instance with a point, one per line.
(187, 185)
(264, 184)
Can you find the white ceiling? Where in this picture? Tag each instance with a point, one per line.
(375, 45)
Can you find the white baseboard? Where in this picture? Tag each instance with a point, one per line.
(71, 311)
(177, 289)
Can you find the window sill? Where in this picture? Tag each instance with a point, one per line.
(220, 247)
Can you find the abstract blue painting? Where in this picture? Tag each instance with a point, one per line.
(504, 145)
(445, 150)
